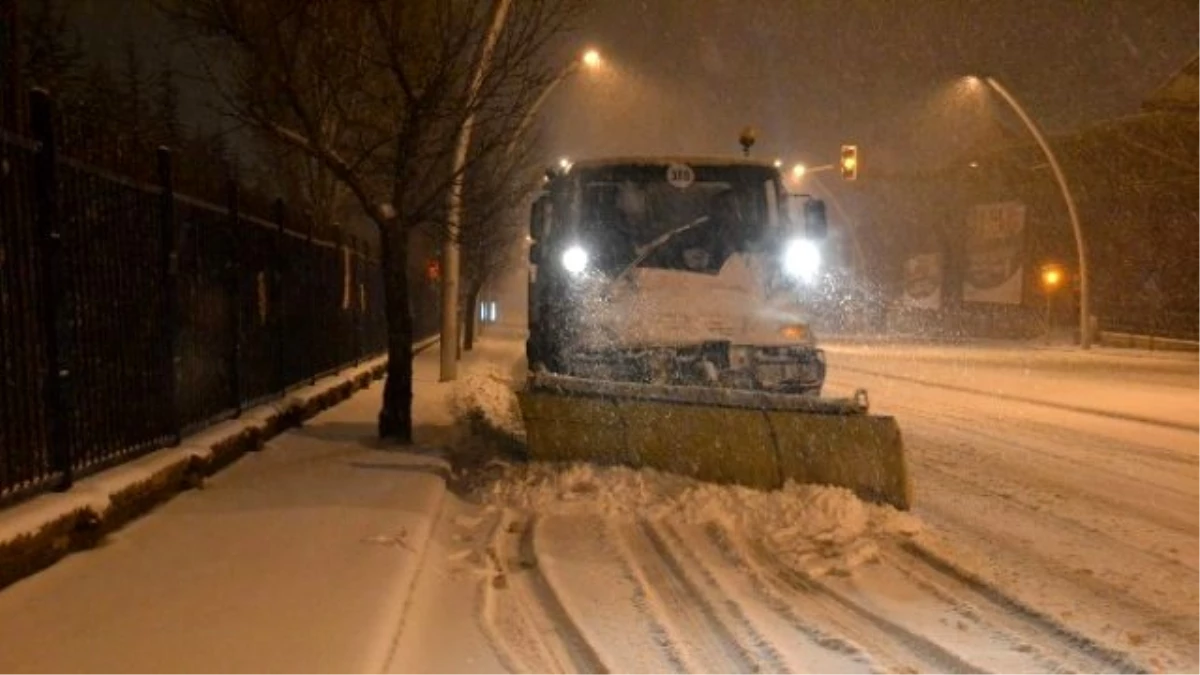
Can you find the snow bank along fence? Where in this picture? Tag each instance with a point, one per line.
(131, 314)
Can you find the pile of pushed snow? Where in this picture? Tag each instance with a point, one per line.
(487, 398)
(814, 529)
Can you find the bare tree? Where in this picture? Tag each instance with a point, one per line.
(373, 91)
(52, 56)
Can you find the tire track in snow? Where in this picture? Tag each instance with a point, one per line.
(1117, 535)
(505, 615)
(1036, 454)
(602, 596)
(582, 654)
(874, 641)
(1046, 450)
(705, 643)
(1113, 447)
(1139, 586)
(968, 592)
(767, 627)
(1103, 600)
(869, 625)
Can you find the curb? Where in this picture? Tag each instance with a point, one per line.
(377, 658)
(38, 533)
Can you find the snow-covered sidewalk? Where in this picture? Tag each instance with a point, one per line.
(298, 558)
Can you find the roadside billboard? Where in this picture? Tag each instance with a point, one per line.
(923, 281)
(995, 253)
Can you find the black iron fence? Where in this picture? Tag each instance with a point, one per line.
(131, 313)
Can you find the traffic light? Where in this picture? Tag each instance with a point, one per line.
(849, 162)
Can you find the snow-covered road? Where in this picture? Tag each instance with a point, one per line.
(1051, 533)
(1067, 479)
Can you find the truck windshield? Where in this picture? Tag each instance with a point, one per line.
(623, 211)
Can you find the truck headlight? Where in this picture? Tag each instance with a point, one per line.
(575, 259)
(802, 260)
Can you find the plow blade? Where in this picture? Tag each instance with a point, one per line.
(756, 439)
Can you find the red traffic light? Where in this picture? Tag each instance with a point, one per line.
(849, 162)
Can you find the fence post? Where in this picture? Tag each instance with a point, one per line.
(235, 296)
(343, 270)
(310, 320)
(169, 233)
(356, 294)
(280, 215)
(53, 292)
(11, 114)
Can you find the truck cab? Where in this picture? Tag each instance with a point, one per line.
(676, 271)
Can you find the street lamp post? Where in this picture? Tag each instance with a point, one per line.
(1085, 333)
(450, 253)
(1052, 278)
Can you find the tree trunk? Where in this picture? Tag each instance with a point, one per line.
(395, 418)
(472, 317)
(458, 342)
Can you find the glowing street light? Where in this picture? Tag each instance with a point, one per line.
(564, 163)
(592, 59)
(1052, 277)
(1085, 333)
(798, 171)
(778, 162)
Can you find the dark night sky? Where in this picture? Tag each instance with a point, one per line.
(684, 76)
(688, 74)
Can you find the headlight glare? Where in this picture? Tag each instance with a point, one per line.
(802, 260)
(575, 259)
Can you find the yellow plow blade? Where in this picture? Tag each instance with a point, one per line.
(751, 438)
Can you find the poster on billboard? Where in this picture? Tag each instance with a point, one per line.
(923, 281)
(995, 253)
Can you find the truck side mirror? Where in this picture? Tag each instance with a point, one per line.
(815, 224)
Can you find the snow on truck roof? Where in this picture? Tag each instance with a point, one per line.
(601, 162)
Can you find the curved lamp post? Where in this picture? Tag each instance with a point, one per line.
(589, 59)
(1085, 333)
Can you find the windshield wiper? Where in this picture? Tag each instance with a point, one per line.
(655, 245)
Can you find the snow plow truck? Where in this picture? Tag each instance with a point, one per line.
(667, 329)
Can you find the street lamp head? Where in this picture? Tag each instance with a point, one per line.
(778, 162)
(1052, 276)
(971, 84)
(592, 59)
(564, 163)
(798, 171)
